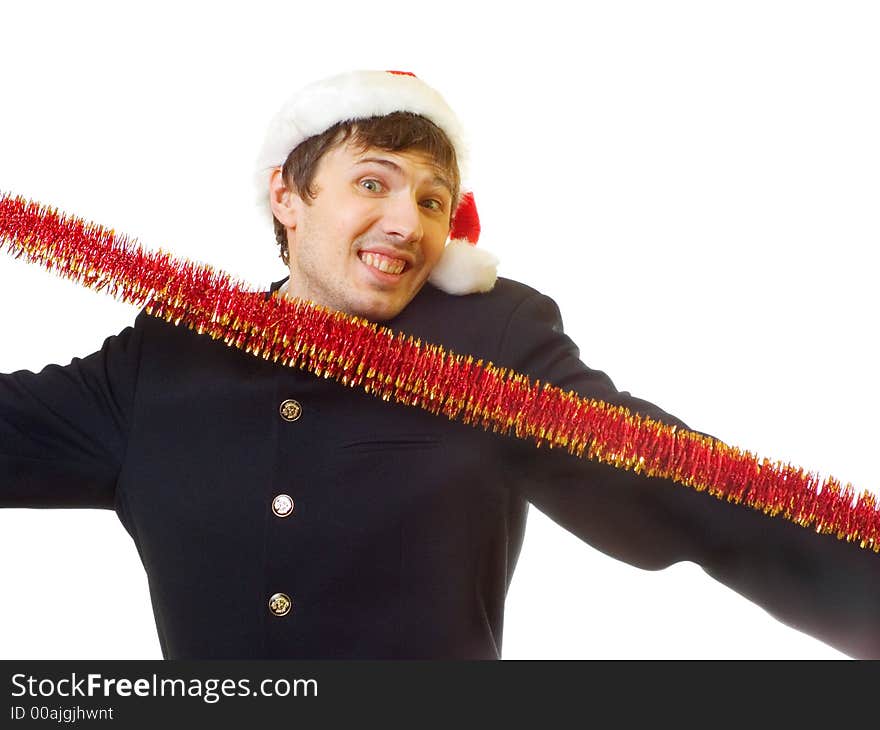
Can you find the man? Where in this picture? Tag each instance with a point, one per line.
(280, 515)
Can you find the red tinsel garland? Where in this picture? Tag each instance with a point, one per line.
(358, 353)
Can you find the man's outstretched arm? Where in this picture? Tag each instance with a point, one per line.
(815, 583)
(63, 430)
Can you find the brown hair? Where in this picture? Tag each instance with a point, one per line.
(395, 132)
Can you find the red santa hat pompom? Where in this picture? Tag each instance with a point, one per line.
(463, 268)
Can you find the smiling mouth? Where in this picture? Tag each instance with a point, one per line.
(385, 264)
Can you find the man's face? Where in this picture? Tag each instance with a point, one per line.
(372, 234)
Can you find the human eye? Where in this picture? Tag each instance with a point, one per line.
(375, 184)
(437, 204)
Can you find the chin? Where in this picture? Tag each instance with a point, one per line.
(380, 314)
(378, 311)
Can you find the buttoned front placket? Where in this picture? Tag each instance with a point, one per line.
(295, 512)
(280, 572)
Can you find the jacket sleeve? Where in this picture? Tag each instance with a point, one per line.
(63, 430)
(822, 586)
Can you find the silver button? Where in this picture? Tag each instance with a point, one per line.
(282, 505)
(290, 410)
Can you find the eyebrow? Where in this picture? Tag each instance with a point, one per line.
(438, 179)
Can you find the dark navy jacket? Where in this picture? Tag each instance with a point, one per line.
(406, 526)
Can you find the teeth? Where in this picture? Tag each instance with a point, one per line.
(383, 263)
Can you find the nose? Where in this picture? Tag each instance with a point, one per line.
(402, 217)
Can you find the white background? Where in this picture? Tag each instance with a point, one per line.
(695, 183)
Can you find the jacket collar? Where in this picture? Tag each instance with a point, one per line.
(275, 286)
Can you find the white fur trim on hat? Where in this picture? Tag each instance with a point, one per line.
(464, 269)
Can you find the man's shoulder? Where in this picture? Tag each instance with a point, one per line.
(471, 323)
(507, 294)
(504, 290)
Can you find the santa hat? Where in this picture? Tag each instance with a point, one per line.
(463, 268)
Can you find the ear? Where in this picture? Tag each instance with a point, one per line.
(283, 201)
